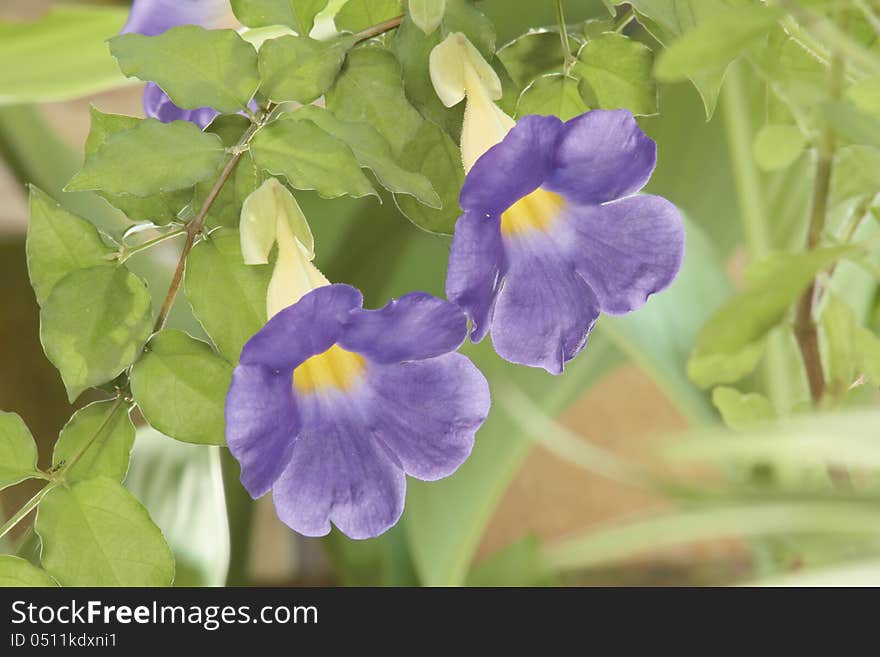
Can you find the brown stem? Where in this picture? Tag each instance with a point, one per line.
(379, 28)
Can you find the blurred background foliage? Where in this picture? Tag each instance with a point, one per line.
(620, 471)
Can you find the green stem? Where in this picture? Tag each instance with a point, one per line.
(381, 28)
(29, 506)
(125, 252)
(563, 37)
(628, 17)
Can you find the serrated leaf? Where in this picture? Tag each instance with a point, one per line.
(194, 66)
(426, 14)
(95, 533)
(18, 451)
(93, 325)
(19, 573)
(433, 154)
(373, 152)
(555, 94)
(180, 386)
(534, 54)
(370, 90)
(357, 15)
(299, 68)
(309, 158)
(742, 410)
(617, 71)
(107, 429)
(776, 146)
(227, 296)
(150, 158)
(59, 242)
(298, 14)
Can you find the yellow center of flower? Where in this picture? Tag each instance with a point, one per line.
(535, 211)
(335, 368)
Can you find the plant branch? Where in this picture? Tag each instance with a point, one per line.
(378, 29)
(125, 252)
(569, 59)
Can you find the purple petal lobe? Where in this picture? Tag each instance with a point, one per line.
(157, 105)
(339, 473)
(513, 168)
(545, 310)
(428, 411)
(601, 156)
(414, 327)
(626, 250)
(476, 264)
(152, 17)
(310, 326)
(261, 424)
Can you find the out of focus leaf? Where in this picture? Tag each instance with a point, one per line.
(777, 145)
(866, 346)
(182, 487)
(300, 68)
(855, 173)
(60, 56)
(865, 95)
(93, 325)
(838, 328)
(742, 410)
(180, 387)
(19, 573)
(106, 428)
(381, 561)
(617, 72)
(298, 14)
(194, 66)
(356, 15)
(852, 125)
(862, 573)
(18, 452)
(555, 94)
(117, 544)
(519, 564)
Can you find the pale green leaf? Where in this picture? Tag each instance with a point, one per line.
(357, 15)
(616, 71)
(59, 242)
(777, 145)
(866, 346)
(309, 158)
(519, 564)
(865, 95)
(555, 94)
(742, 410)
(150, 158)
(104, 429)
(855, 173)
(227, 296)
(194, 66)
(95, 533)
(299, 68)
(93, 325)
(298, 14)
(426, 14)
(19, 573)
(838, 328)
(18, 452)
(852, 125)
(180, 386)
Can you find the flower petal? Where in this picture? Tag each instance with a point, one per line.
(626, 250)
(261, 424)
(310, 326)
(428, 411)
(545, 310)
(157, 105)
(152, 17)
(601, 156)
(516, 166)
(476, 264)
(414, 327)
(338, 472)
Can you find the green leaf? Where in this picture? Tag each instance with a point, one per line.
(227, 296)
(534, 54)
(616, 71)
(299, 68)
(370, 90)
(357, 15)
(107, 429)
(865, 95)
(226, 209)
(838, 328)
(93, 324)
(735, 332)
(150, 158)
(555, 94)
(742, 410)
(59, 242)
(309, 158)
(777, 145)
(19, 573)
(426, 14)
(18, 452)
(182, 487)
(60, 56)
(194, 66)
(95, 533)
(373, 152)
(180, 387)
(433, 154)
(519, 564)
(715, 42)
(866, 346)
(298, 14)
(855, 172)
(852, 125)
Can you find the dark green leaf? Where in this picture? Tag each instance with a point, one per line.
(534, 54)
(357, 15)
(299, 68)
(107, 429)
(555, 94)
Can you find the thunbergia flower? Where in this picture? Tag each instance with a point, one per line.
(332, 405)
(554, 230)
(152, 17)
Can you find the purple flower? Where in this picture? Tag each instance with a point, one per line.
(331, 405)
(554, 232)
(152, 17)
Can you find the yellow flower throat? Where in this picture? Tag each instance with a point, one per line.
(535, 211)
(335, 368)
